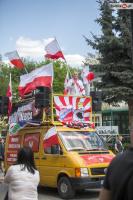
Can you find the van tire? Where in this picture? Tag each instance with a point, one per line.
(65, 188)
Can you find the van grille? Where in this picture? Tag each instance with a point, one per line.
(98, 171)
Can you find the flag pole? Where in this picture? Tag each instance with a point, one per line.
(9, 95)
(67, 68)
(25, 70)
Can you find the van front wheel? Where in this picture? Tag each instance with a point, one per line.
(65, 188)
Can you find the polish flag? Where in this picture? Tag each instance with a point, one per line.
(42, 76)
(50, 138)
(53, 50)
(9, 95)
(84, 74)
(15, 59)
(65, 83)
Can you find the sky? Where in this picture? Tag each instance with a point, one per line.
(27, 26)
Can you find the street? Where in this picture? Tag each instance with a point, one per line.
(51, 194)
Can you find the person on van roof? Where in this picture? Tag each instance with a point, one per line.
(23, 177)
(75, 85)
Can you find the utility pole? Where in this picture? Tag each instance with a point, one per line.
(131, 22)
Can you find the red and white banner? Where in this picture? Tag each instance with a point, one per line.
(9, 95)
(42, 76)
(72, 108)
(50, 138)
(15, 59)
(53, 50)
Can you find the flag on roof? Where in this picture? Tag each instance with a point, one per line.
(15, 59)
(42, 76)
(53, 50)
(84, 74)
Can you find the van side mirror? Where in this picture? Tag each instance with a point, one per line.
(55, 149)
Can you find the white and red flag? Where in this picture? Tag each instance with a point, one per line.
(87, 75)
(84, 74)
(53, 50)
(15, 59)
(42, 76)
(50, 138)
(9, 95)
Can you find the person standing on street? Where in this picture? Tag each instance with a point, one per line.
(2, 148)
(118, 144)
(23, 177)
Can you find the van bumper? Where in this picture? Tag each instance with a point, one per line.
(87, 183)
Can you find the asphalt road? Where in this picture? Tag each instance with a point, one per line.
(51, 194)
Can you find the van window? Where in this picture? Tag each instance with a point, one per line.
(81, 141)
(32, 140)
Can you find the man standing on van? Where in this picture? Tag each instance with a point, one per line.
(75, 86)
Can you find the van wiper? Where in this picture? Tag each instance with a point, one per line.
(97, 149)
(77, 149)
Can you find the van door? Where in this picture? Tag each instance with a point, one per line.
(51, 163)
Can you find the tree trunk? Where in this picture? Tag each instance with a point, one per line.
(130, 109)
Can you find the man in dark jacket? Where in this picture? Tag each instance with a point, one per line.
(118, 183)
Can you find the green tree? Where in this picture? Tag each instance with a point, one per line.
(114, 47)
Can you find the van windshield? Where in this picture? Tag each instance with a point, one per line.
(81, 141)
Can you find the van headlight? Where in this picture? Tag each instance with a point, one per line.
(81, 172)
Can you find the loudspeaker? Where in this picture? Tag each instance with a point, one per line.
(96, 100)
(4, 102)
(42, 97)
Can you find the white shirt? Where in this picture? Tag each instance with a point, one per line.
(75, 87)
(22, 184)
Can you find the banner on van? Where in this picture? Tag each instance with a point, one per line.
(24, 114)
(73, 108)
